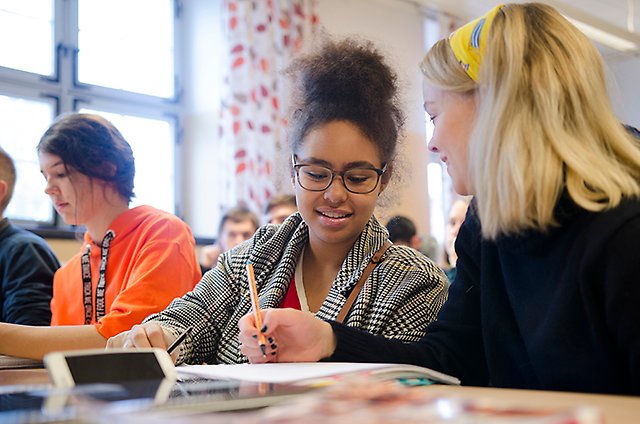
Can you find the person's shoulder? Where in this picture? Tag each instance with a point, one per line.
(269, 233)
(268, 243)
(21, 243)
(397, 251)
(599, 233)
(150, 212)
(626, 214)
(612, 236)
(627, 209)
(15, 232)
(404, 266)
(409, 258)
(149, 216)
(149, 223)
(20, 235)
(266, 231)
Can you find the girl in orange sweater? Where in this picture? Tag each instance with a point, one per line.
(133, 262)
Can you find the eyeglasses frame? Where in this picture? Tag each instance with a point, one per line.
(334, 174)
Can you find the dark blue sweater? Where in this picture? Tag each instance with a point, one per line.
(555, 311)
(27, 265)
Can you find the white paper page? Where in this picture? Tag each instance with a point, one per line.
(276, 372)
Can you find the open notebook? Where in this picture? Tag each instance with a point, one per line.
(309, 373)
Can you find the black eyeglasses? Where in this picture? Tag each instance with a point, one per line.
(319, 178)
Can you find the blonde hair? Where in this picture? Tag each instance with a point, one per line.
(544, 124)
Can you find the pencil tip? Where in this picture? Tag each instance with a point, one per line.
(263, 349)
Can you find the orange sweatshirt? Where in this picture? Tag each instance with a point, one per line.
(151, 261)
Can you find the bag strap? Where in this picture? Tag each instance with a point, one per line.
(375, 260)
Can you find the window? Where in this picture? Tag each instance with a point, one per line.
(29, 26)
(138, 56)
(23, 120)
(116, 58)
(439, 186)
(152, 176)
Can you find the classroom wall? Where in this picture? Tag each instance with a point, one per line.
(626, 88)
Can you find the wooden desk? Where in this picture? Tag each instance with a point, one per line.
(615, 409)
(24, 376)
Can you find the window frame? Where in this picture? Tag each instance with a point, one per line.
(67, 94)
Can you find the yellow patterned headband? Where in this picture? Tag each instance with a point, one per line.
(470, 40)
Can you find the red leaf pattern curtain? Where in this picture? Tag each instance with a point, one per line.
(262, 36)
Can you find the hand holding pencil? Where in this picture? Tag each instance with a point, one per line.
(255, 306)
(292, 335)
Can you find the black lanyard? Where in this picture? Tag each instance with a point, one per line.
(102, 282)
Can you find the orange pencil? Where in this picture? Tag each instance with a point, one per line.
(253, 292)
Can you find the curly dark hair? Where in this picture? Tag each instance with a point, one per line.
(346, 80)
(93, 146)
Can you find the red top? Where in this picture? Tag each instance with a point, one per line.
(291, 299)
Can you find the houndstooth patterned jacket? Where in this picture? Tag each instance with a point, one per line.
(400, 298)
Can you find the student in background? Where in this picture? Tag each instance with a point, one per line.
(457, 212)
(343, 137)
(430, 247)
(134, 261)
(546, 294)
(279, 208)
(27, 263)
(236, 225)
(402, 231)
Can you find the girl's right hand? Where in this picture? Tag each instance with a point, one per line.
(292, 336)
